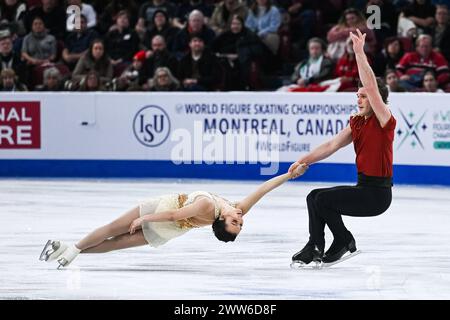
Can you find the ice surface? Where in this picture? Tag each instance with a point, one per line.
(406, 251)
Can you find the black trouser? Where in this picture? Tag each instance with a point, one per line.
(370, 197)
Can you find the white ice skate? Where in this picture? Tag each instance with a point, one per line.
(52, 250)
(68, 256)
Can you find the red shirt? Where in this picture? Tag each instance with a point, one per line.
(373, 145)
(412, 63)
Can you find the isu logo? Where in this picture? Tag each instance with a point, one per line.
(20, 125)
(151, 126)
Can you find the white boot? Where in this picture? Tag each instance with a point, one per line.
(68, 256)
(52, 250)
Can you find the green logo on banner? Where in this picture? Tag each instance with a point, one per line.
(441, 144)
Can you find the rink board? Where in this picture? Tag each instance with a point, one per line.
(209, 135)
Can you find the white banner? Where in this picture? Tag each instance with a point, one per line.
(210, 127)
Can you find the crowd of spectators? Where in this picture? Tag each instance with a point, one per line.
(228, 45)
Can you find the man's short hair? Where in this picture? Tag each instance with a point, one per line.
(382, 89)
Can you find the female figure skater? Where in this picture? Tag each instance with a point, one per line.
(160, 219)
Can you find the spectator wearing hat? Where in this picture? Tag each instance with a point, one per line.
(10, 59)
(161, 26)
(195, 26)
(53, 80)
(147, 12)
(199, 70)
(122, 42)
(10, 82)
(130, 78)
(77, 43)
(157, 57)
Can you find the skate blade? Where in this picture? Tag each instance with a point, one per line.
(298, 265)
(62, 263)
(344, 257)
(44, 254)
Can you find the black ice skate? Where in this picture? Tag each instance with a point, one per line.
(310, 253)
(339, 252)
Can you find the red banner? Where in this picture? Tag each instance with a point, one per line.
(20, 125)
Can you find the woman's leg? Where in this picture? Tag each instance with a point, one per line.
(122, 241)
(118, 227)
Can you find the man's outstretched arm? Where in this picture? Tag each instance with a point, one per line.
(326, 149)
(368, 79)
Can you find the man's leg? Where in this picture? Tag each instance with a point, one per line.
(316, 222)
(351, 201)
(313, 250)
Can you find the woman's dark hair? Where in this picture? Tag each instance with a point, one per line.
(221, 233)
(104, 60)
(390, 40)
(382, 89)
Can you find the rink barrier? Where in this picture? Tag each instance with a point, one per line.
(137, 135)
(320, 172)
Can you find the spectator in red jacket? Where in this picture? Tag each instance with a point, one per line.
(413, 65)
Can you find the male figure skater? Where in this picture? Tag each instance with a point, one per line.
(372, 132)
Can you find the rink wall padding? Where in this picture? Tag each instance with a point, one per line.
(320, 172)
(236, 136)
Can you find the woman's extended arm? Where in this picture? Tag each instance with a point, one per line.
(248, 202)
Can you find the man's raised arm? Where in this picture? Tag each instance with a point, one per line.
(369, 80)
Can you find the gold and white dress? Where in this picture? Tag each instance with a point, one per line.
(158, 233)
